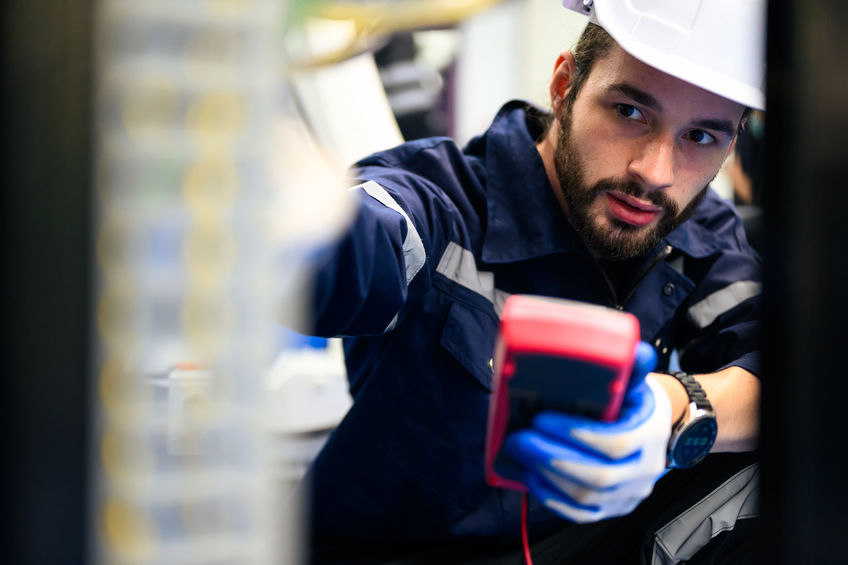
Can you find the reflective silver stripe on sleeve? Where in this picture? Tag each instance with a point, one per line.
(734, 500)
(458, 265)
(414, 254)
(707, 310)
(413, 248)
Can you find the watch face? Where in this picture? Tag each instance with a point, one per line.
(694, 442)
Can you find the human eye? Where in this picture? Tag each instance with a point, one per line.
(700, 137)
(630, 112)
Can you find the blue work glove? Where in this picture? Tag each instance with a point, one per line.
(586, 470)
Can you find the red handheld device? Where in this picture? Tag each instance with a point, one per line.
(555, 354)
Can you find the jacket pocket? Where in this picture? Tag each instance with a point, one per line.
(469, 336)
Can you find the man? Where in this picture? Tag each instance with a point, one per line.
(603, 200)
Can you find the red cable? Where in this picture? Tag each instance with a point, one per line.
(524, 537)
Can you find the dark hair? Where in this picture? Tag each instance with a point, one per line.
(594, 44)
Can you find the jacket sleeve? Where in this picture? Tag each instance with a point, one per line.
(724, 311)
(384, 263)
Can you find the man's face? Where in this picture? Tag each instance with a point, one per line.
(636, 151)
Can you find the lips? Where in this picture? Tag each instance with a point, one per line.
(632, 210)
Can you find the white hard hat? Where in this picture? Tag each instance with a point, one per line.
(718, 45)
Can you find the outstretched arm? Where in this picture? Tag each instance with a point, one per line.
(735, 396)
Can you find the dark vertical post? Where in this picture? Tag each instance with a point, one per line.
(45, 204)
(805, 385)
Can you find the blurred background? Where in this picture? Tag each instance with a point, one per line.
(172, 168)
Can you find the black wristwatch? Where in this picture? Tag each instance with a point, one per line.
(694, 436)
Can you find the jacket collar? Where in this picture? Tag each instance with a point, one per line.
(524, 217)
(697, 237)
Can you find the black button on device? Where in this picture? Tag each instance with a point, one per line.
(668, 289)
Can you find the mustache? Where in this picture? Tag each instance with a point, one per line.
(632, 188)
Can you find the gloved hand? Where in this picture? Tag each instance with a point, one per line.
(586, 470)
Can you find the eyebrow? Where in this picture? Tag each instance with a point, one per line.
(636, 95)
(647, 100)
(721, 126)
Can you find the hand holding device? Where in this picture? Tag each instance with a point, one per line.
(557, 355)
(587, 470)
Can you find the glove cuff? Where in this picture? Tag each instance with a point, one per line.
(663, 404)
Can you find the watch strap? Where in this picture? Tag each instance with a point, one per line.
(693, 389)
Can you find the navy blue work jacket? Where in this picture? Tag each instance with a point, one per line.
(443, 235)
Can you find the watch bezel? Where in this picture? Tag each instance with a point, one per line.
(698, 417)
(699, 410)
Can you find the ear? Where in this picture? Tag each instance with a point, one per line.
(561, 80)
(742, 125)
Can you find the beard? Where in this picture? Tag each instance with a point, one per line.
(618, 240)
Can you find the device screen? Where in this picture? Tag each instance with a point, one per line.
(544, 382)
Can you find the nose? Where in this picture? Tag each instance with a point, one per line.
(653, 164)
